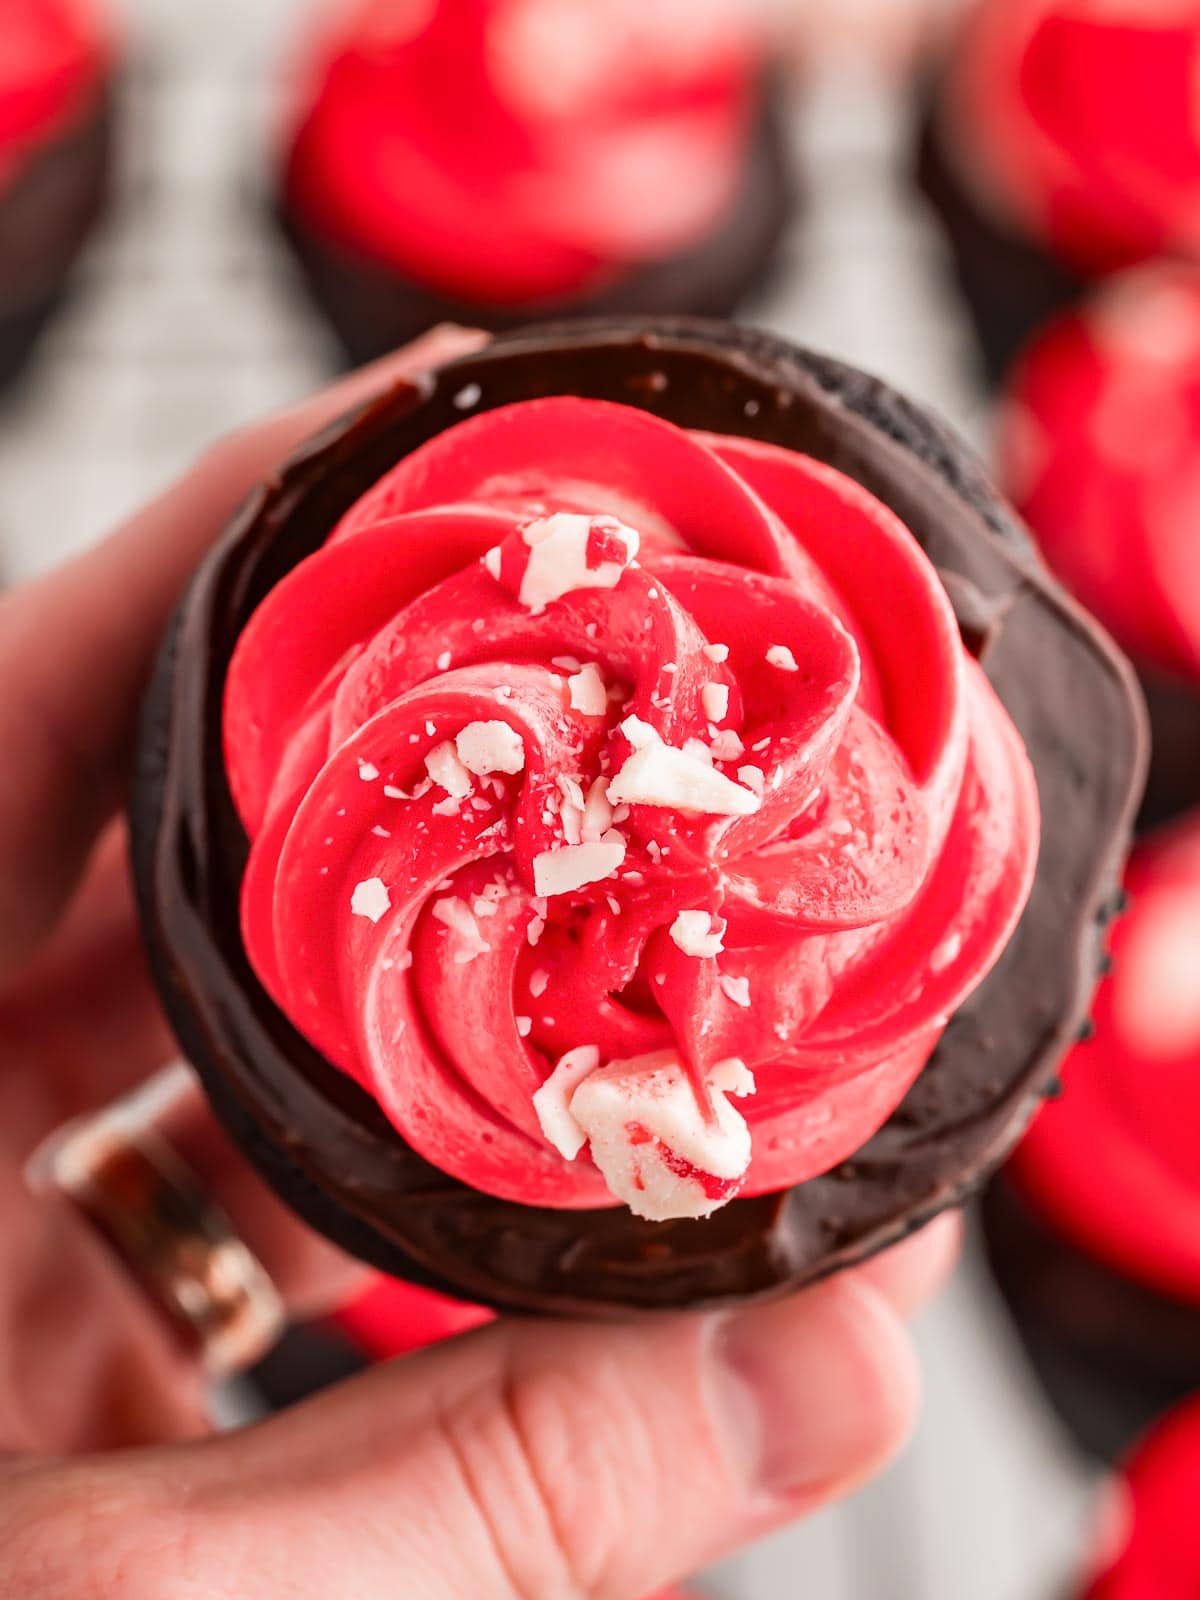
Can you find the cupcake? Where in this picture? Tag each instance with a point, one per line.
(491, 161)
(1098, 440)
(1149, 1544)
(55, 66)
(587, 821)
(1093, 1229)
(1060, 144)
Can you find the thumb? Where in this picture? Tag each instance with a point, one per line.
(538, 1459)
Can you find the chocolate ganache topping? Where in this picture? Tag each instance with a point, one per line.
(349, 984)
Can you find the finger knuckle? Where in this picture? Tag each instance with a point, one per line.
(560, 1468)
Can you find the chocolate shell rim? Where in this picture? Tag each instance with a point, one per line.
(323, 1143)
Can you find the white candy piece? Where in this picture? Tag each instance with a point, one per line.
(650, 1140)
(558, 557)
(458, 917)
(447, 771)
(657, 774)
(370, 899)
(552, 1101)
(589, 694)
(780, 656)
(574, 865)
(697, 933)
(485, 747)
(597, 812)
(735, 989)
(714, 698)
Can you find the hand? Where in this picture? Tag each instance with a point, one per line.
(523, 1462)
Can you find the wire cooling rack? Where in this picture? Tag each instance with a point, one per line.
(188, 321)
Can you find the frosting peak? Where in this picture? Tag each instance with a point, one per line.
(592, 760)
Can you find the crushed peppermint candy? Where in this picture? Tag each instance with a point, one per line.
(367, 771)
(646, 1133)
(459, 920)
(714, 698)
(370, 899)
(447, 771)
(698, 933)
(551, 1101)
(486, 747)
(716, 653)
(735, 989)
(556, 555)
(573, 866)
(658, 774)
(780, 656)
(588, 691)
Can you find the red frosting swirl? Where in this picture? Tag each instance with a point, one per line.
(1100, 450)
(52, 56)
(1114, 1163)
(819, 827)
(1151, 1533)
(1077, 118)
(514, 150)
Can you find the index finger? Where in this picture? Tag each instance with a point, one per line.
(76, 648)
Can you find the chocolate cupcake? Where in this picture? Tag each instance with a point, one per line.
(489, 162)
(1097, 448)
(1093, 1229)
(1147, 1542)
(55, 65)
(1059, 144)
(587, 817)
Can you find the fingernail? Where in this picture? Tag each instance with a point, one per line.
(815, 1391)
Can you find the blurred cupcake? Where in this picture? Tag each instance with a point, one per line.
(56, 59)
(1061, 144)
(1093, 1229)
(1149, 1536)
(386, 1319)
(494, 161)
(1099, 447)
(392, 1318)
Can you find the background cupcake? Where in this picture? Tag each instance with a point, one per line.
(1060, 144)
(1098, 446)
(56, 59)
(1148, 1541)
(1093, 1230)
(492, 161)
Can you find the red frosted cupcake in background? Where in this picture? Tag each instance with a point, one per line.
(1093, 1229)
(56, 59)
(493, 161)
(1099, 447)
(1149, 1535)
(1062, 144)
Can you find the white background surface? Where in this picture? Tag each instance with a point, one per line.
(188, 322)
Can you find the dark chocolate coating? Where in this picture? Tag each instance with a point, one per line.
(1112, 1355)
(1010, 284)
(373, 308)
(46, 215)
(321, 1139)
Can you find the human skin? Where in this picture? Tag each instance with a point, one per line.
(522, 1460)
